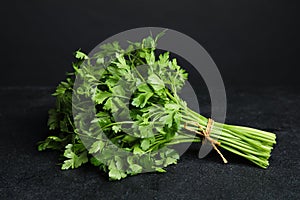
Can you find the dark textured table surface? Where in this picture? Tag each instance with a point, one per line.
(29, 174)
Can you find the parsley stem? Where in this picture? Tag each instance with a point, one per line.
(183, 141)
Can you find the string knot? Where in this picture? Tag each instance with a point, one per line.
(206, 134)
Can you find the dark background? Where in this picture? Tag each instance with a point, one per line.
(252, 42)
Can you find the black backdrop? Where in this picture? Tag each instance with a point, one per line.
(253, 42)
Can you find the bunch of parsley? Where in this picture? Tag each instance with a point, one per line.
(137, 116)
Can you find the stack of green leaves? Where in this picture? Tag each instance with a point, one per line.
(137, 115)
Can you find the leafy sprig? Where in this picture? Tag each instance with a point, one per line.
(137, 116)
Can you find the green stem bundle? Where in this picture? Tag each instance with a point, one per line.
(252, 144)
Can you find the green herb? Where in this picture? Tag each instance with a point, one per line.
(140, 88)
